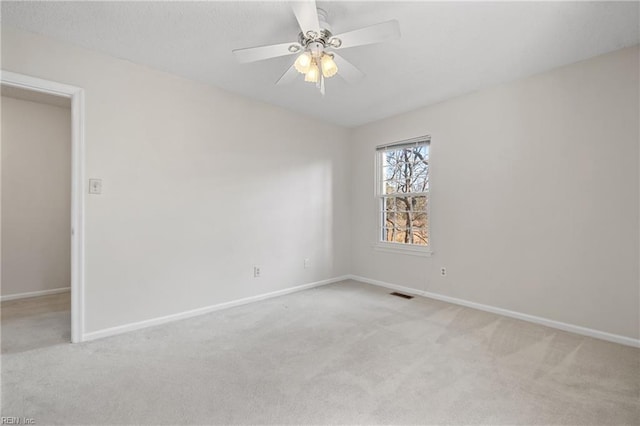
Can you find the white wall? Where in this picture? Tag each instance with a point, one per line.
(534, 202)
(36, 196)
(198, 186)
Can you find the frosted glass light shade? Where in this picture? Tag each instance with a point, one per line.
(303, 63)
(313, 74)
(329, 67)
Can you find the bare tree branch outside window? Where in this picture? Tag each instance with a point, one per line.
(404, 198)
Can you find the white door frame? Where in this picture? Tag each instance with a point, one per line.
(76, 95)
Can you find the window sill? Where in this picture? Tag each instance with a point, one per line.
(403, 249)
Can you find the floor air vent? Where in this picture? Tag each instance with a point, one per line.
(404, 296)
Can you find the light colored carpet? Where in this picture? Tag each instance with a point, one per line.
(344, 353)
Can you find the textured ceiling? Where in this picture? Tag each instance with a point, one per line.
(446, 49)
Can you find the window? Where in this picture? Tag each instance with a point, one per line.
(403, 194)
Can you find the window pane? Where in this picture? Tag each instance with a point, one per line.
(416, 205)
(404, 172)
(394, 235)
(405, 220)
(402, 235)
(419, 220)
(420, 236)
(391, 184)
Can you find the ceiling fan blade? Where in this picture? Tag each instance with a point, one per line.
(288, 77)
(253, 54)
(307, 15)
(347, 70)
(377, 33)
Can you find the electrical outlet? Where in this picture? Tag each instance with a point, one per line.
(443, 271)
(307, 262)
(256, 272)
(95, 186)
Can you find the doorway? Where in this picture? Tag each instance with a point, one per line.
(43, 250)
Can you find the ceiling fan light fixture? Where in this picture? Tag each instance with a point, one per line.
(303, 63)
(335, 42)
(313, 74)
(314, 48)
(329, 67)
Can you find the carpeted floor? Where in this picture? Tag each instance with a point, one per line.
(347, 353)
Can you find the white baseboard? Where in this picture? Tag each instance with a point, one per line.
(603, 335)
(34, 294)
(204, 310)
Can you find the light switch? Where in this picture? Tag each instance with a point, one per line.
(95, 186)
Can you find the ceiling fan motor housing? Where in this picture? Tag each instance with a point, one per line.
(312, 36)
(310, 40)
(315, 48)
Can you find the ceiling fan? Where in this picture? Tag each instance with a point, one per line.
(317, 47)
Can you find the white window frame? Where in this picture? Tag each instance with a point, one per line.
(387, 246)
